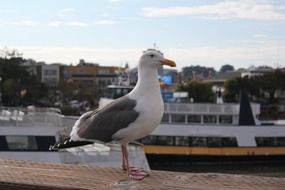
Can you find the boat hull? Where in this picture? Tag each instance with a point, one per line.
(160, 155)
(215, 151)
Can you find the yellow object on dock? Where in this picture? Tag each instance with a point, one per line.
(19, 175)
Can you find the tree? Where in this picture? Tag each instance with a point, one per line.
(272, 83)
(264, 88)
(10, 88)
(7, 53)
(17, 85)
(198, 90)
(226, 68)
(231, 90)
(74, 90)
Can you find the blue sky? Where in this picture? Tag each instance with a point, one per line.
(111, 32)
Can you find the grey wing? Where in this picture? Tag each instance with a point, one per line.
(102, 124)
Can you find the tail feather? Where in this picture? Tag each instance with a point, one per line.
(68, 143)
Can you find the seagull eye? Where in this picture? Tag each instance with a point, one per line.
(151, 55)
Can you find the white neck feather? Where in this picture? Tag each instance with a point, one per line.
(149, 86)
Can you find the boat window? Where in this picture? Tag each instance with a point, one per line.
(108, 93)
(178, 118)
(225, 119)
(194, 118)
(118, 93)
(44, 142)
(213, 141)
(197, 141)
(165, 140)
(165, 118)
(21, 142)
(229, 142)
(280, 141)
(125, 91)
(182, 141)
(270, 141)
(265, 141)
(3, 143)
(149, 140)
(210, 119)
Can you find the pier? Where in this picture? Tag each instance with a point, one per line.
(19, 175)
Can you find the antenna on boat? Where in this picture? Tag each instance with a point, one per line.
(155, 46)
(277, 57)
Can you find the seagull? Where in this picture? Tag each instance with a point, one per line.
(127, 118)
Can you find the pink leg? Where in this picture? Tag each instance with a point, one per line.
(124, 156)
(134, 173)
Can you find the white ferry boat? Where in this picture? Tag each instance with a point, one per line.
(28, 133)
(212, 131)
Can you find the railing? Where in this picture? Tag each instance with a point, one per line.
(207, 108)
(14, 116)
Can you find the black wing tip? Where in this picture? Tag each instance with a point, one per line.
(68, 143)
(53, 148)
(59, 145)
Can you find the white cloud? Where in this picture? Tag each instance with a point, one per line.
(241, 9)
(55, 23)
(259, 35)
(132, 18)
(104, 56)
(114, 1)
(28, 23)
(67, 10)
(76, 24)
(237, 56)
(104, 14)
(207, 56)
(105, 22)
(31, 23)
(64, 12)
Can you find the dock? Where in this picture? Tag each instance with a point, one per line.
(28, 175)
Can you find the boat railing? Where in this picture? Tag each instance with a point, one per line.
(208, 108)
(18, 116)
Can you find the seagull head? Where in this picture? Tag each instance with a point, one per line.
(152, 58)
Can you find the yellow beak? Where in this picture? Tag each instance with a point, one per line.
(168, 62)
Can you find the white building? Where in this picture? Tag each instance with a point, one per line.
(50, 74)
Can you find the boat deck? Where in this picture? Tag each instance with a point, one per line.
(44, 176)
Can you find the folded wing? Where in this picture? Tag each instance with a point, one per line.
(103, 123)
